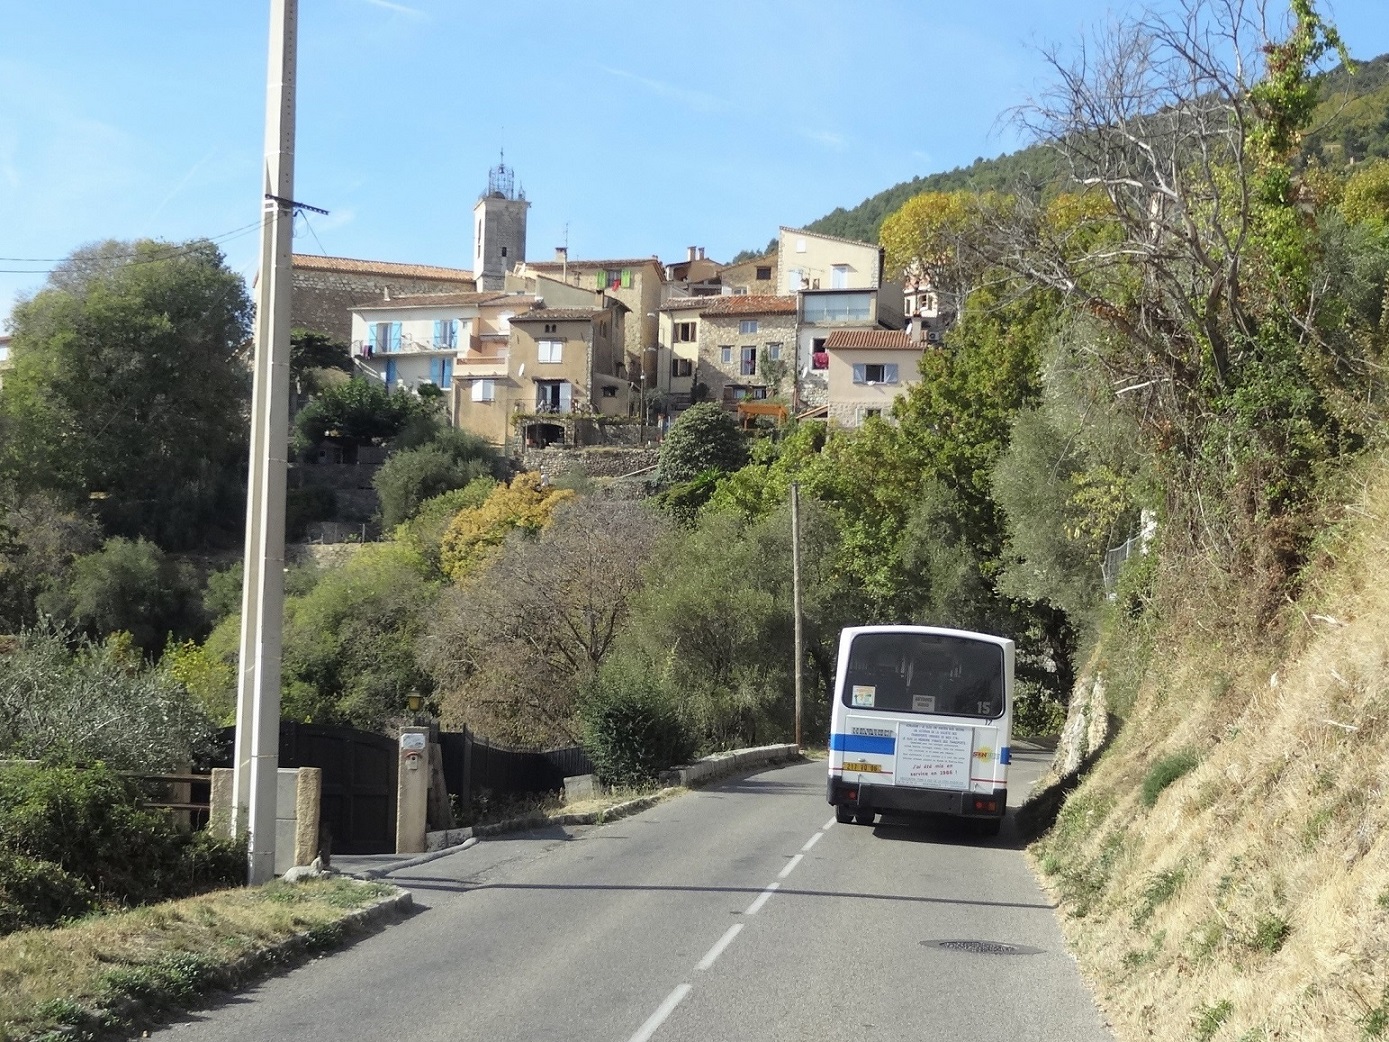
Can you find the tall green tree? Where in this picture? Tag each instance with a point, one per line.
(126, 390)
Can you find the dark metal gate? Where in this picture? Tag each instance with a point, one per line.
(473, 764)
(359, 781)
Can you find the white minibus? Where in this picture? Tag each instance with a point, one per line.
(921, 724)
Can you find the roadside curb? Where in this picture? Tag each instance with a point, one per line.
(710, 768)
(129, 1015)
(720, 764)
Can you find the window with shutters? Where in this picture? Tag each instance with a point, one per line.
(550, 350)
(870, 373)
(446, 333)
(684, 332)
(681, 367)
(748, 364)
(484, 390)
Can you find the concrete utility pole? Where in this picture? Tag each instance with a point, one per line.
(262, 600)
(796, 593)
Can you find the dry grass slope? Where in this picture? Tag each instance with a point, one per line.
(1247, 897)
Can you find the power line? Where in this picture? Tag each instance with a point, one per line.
(131, 256)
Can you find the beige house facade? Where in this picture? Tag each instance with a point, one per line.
(636, 283)
(868, 370)
(413, 341)
(559, 364)
(678, 324)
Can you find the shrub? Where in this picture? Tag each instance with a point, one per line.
(705, 436)
(1166, 771)
(133, 587)
(87, 823)
(38, 893)
(632, 729)
(97, 702)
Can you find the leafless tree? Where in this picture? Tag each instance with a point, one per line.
(512, 647)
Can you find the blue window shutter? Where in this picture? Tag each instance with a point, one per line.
(439, 340)
(395, 336)
(448, 373)
(370, 342)
(890, 373)
(436, 371)
(390, 373)
(453, 333)
(860, 374)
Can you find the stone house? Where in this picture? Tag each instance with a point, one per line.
(327, 290)
(695, 276)
(738, 335)
(756, 275)
(868, 369)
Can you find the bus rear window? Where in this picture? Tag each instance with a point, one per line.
(924, 673)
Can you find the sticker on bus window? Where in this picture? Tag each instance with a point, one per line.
(923, 703)
(863, 695)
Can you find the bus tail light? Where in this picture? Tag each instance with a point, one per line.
(983, 806)
(851, 794)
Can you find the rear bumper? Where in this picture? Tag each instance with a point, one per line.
(879, 798)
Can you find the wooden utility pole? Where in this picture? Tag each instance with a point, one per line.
(262, 600)
(796, 594)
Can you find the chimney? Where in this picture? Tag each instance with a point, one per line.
(691, 255)
(701, 253)
(561, 253)
(385, 292)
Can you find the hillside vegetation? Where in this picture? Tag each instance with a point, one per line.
(1224, 871)
(1351, 123)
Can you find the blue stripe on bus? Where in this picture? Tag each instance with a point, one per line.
(1005, 755)
(862, 743)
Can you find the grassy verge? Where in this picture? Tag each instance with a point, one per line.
(112, 973)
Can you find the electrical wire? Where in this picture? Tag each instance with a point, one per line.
(132, 256)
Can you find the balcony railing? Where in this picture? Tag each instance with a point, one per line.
(476, 364)
(408, 346)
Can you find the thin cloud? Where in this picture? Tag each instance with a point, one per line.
(412, 12)
(182, 184)
(828, 138)
(697, 100)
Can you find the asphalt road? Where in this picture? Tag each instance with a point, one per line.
(737, 912)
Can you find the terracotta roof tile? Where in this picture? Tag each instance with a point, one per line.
(437, 300)
(751, 304)
(311, 262)
(683, 303)
(559, 315)
(871, 339)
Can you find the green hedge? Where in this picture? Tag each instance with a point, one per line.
(632, 729)
(76, 838)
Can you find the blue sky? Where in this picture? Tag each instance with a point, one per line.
(641, 127)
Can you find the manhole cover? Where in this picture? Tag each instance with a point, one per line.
(983, 947)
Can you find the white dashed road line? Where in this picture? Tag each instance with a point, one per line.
(723, 942)
(658, 1018)
(762, 899)
(666, 1008)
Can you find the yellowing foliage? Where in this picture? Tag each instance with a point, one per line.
(472, 534)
